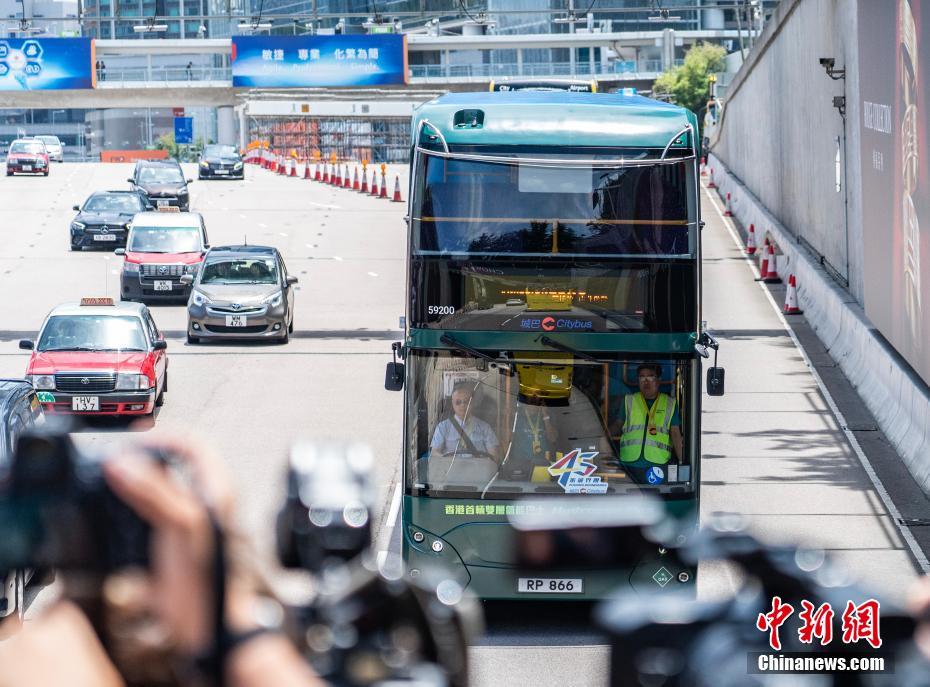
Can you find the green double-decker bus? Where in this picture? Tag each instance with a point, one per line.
(553, 328)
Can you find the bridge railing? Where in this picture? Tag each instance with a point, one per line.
(164, 74)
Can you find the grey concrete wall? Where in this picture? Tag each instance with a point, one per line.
(779, 130)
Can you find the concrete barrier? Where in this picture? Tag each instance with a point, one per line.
(890, 389)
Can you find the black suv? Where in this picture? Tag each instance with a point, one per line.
(163, 182)
(220, 162)
(103, 221)
(19, 410)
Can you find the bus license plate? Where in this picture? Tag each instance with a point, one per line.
(236, 320)
(85, 403)
(162, 285)
(550, 585)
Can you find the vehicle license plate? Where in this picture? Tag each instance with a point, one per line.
(161, 285)
(104, 237)
(550, 585)
(85, 403)
(221, 171)
(236, 320)
(27, 168)
(162, 203)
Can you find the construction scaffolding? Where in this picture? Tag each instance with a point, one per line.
(382, 139)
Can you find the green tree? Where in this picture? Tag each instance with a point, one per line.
(166, 142)
(689, 84)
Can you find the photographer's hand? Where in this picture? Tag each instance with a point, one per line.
(57, 648)
(182, 560)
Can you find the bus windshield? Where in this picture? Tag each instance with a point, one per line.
(547, 423)
(492, 208)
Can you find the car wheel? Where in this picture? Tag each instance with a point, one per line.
(160, 399)
(45, 173)
(9, 174)
(284, 339)
(193, 339)
(290, 328)
(73, 247)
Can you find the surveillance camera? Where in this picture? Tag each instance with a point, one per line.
(827, 62)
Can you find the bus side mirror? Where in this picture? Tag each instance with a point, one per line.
(715, 381)
(394, 377)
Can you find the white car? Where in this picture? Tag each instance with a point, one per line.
(54, 147)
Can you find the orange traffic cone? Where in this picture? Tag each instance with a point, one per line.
(325, 173)
(703, 166)
(771, 276)
(355, 185)
(711, 183)
(397, 198)
(346, 182)
(791, 297)
(282, 167)
(293, 167)
(751, 240)
(316, 173)
(727, 212)
(337, 176)
(374, 183)
(364, 188)
(764, 260)
(383, 187)
(307, 174)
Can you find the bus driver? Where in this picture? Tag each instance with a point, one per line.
(461, 432)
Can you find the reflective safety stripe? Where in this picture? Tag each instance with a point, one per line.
(635, 442)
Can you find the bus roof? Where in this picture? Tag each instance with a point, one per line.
(557, 118)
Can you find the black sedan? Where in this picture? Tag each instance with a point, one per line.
(163, 182)
(19, 410)
(103, 221)
(220, 162)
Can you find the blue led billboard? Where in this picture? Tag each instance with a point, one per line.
(307, 61)
(43, 64)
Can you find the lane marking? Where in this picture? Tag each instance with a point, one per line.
(890, 506)
(324, 205)
(337, 258)
(372, 274)
(387, 530)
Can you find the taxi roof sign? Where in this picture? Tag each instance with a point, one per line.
(169, 208)
(97, 301)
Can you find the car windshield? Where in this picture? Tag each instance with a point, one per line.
(117, 203)
(533, 422)
(49, 140)
(165, 240)
(220, 151)
(160, 175)
(92, 333)
(240, 271)
(33, 147)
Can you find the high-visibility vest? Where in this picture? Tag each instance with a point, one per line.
(635, 440)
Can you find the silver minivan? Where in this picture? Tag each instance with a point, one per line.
(241, 292)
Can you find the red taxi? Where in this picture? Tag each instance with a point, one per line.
(162, 247)
(99, 358)
(27, 156)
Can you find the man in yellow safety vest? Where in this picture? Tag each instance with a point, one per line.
(650, 427)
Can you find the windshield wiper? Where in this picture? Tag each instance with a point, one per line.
(71, 348)
(546, 341)
(455, 343)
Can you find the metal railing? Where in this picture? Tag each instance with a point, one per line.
(579, 68)
(163, 74)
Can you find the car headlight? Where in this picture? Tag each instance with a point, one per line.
(132, 382)
(204, 163)
(190, 269)
(274, 300)
(40, 163)
(130, 267)
(238, 165)
(80, 226)
(41, 381)
(197, 298)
